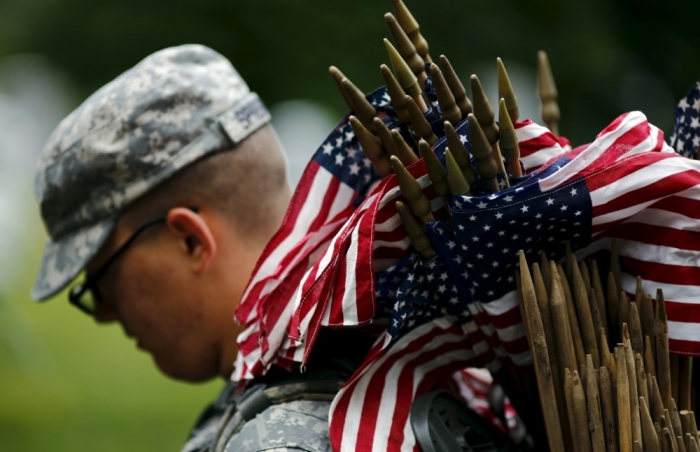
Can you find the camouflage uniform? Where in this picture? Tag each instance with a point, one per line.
(174, 107)
(297, 425)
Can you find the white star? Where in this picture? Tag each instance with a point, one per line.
(538, 216)
(354, 168)
(485, 275)
(501, 233)
(696, 104)
(338, 142)
(694, 123)
(475, 238)
(339, 159)
(563, 208)
(351, 152)
(487, 227)
(683, 104)
(515, 237)
(524, 208)
(481, 205)
(510, 279)
(505, 250)
(460, 227)
(451, 244)
(493, 196)
(538, 227)
(508, 198)
(495, 264)
(463, 138)
(550, 201)
(458, 259)
(328, 149)
(479, 256)
(578, 213)
(489, 245)
(499, 216)
(573, 192)
(472, 218)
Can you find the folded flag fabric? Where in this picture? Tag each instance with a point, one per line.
(686, 133)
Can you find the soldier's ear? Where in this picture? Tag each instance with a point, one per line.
(194, 237)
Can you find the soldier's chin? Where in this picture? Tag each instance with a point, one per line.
(182, 371)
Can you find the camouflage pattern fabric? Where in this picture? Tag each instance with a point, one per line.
(171, 109)
(300, 425)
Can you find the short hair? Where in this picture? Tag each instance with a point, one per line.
(247, 185)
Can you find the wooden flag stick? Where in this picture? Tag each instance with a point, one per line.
(613, 295)
(600, 295)
(685, 384)
(573, 319)
(583, 309)
(560, 320)
(635, 329)
(649, 361)
(675, 419)
(608, 407)
(657, 402)
(570, 406)
(545, 383)
(642, 386)
(651, 440)
(663, 359)
(666, 423)
(624, 417)
(595, 417)
(632, 376)
(582, 437)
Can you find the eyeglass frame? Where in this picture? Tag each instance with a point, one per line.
(77, 291)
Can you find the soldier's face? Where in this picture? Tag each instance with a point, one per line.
(158, 293)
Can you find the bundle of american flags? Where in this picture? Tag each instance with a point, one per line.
(342, 258)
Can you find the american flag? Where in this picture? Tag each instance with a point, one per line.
(336, 179)
(628, 185)
(686, 133)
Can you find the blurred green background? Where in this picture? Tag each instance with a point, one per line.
(66, 384)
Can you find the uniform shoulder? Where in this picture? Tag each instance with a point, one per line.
(300, 425)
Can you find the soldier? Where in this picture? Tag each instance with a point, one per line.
(164, 187)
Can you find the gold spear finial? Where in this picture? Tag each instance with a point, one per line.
(407, 79)
(364, 111)
(412, 29)
(420, 125)
(483, 111)
(446, 100)
(396, 94)
(481, 149)
(455, 84)
(509, 139)
(406, 48)
(403, 150)
(411, 191)
(338, 79)
(548, 93)
(458, 183)
(484, 114)
(419, 239)
(385, 137)
(505, 91)
(372, 148)
(460, 153)
(436, 172)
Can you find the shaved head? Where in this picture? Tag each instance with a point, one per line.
(247, 185)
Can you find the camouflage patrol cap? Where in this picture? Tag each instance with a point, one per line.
(171, 109)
